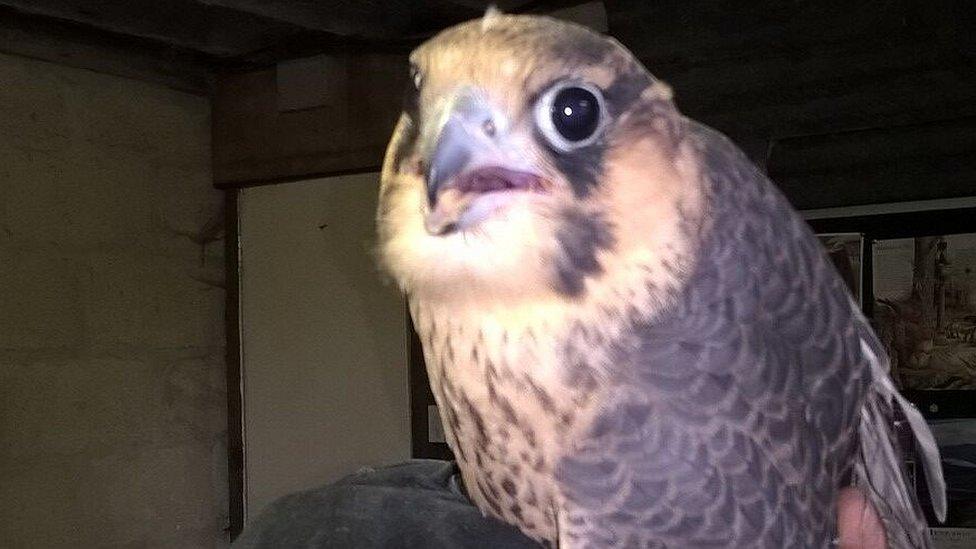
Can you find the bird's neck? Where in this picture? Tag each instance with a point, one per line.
(633, 282)
(539, 335)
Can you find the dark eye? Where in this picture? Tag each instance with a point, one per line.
(575, 113)
(570, 115)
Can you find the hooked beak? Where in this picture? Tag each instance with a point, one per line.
(473, 164)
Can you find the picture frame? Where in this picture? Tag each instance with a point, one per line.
(846, 251)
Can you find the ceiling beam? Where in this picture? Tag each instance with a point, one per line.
(368, 18)
(844, 152)
(665, 32)
(81, 47)
(185, 24)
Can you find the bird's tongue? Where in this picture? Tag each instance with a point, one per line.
(454, 200)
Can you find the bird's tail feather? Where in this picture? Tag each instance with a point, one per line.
(879, 468)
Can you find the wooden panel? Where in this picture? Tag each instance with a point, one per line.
(774, 69)
(899, 182)
(253, 142)
(675, 31)
(862, 84)
(894, 164)
(880, 146)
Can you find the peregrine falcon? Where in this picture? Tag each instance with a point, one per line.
(633, 339)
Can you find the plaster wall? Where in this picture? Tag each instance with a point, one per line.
(324, 354)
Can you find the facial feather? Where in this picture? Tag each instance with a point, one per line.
(501, 305)
(619, 215)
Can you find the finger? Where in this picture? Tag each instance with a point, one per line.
(858, 524)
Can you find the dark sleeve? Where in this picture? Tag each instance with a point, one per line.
(416, 504)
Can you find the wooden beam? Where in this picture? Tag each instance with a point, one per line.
(364, 19)
(675, 31)
(186, 24)
(861, 85)
(864, 149)
(826, 67)
(893, 164)
(232, 331)
(899, 182)
(397, 25)
(254, 142)
(894, 101)
(77, 46)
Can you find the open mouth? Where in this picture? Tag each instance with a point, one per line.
(496, 178)
(475, 194)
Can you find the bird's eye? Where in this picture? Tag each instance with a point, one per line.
(570, 115)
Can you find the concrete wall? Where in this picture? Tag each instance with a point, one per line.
(112, 397)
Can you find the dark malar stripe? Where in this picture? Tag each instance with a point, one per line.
(582, 168)
(580, 237)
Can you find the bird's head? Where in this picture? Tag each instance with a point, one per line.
(534, 160)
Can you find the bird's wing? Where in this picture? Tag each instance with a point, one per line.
(734, 414)
(879, 467)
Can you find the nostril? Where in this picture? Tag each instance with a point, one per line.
(488, 126)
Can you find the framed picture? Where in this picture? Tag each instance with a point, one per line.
(846, 251)
(917, 272)
(925, 309)
(918, 287)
